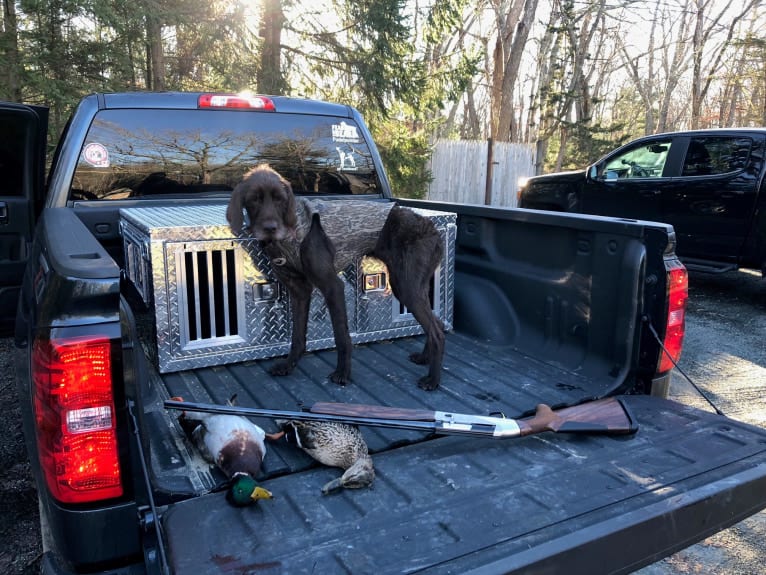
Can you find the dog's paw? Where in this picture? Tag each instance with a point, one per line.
(340, 378)
(428, 383)
(281, 368)
(419, 358)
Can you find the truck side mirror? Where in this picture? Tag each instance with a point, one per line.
(593, 172)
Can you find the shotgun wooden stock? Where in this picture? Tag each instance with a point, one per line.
(609, 416)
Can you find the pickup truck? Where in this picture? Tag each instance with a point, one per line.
(710, 185)
(549, 308)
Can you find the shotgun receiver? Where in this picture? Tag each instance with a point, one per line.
(605, 416)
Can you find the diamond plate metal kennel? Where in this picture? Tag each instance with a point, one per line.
(216, 299)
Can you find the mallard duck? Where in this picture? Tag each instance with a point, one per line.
(333, 444)
(234, 444)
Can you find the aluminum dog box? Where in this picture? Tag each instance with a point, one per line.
(216, 299)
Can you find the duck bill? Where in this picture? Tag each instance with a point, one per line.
(260, 493)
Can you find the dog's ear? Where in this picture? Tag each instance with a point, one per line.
(290, 216)
(234, 210)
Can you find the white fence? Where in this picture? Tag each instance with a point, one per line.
(459, 169)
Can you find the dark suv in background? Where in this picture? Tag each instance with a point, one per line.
(709, 184)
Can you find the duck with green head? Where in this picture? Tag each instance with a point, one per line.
(333, 444)
(235, 445)
(244, 490)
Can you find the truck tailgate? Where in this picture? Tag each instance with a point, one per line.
(457, 505)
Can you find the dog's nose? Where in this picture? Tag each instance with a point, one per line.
(270, 226)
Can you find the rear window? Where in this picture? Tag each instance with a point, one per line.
(713, 155)
(148, 153)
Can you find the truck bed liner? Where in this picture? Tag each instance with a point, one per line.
(460, 504)
(478, 378)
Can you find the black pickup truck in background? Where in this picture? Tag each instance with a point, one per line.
(560, 309)
(708, 184)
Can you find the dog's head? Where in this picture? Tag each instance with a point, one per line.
(269, 202)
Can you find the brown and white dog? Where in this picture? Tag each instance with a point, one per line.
(309, 241)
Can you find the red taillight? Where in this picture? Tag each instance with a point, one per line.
(241, 101)
(74, 410)
(678, 293)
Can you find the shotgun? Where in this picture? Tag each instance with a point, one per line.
(605, 416)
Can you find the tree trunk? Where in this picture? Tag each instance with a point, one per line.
(10, 43)
(763, 94)
(697, 47)
(473, 128)
(564, 137)
(155, 54)
(270, 79)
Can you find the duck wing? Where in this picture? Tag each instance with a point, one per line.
(189, 424)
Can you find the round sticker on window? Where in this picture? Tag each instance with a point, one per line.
(96, 155)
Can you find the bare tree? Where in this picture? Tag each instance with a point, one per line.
(735, 79)
(658, 68)
(514, 20)
(705, 26)
(674, 62)
(569, 54)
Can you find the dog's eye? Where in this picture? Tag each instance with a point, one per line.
(279, 200)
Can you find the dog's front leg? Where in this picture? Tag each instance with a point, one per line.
(300, 300)
(333, 292)
(318, 259)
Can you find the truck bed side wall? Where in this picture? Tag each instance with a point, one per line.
(545, 284)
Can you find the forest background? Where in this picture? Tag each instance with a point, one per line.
(575, 78)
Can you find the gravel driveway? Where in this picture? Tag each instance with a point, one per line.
(724, 354)
(19, 528)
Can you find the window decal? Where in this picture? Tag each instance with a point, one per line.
(96, 155)
(347, 161)
(345, 133)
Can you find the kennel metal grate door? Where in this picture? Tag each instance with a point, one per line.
(210, 306)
